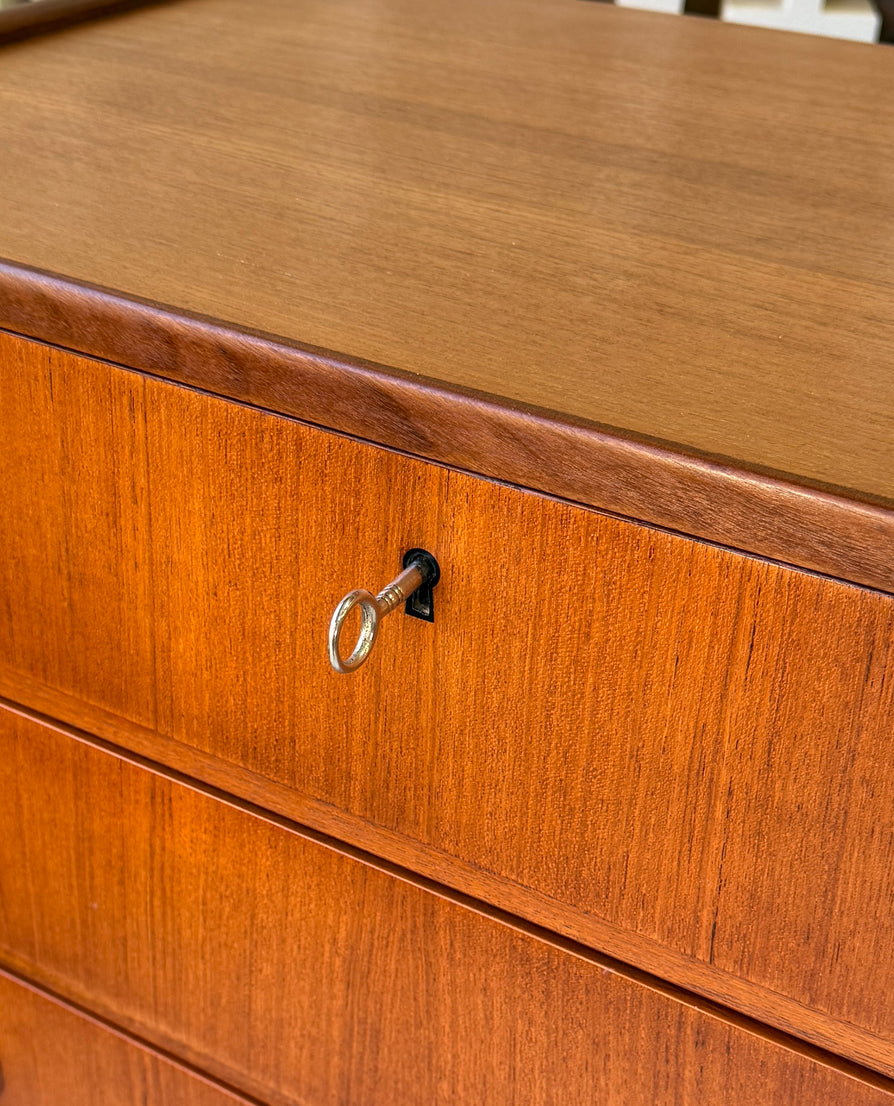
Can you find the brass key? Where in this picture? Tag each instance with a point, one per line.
(420, 572)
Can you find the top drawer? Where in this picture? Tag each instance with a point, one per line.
(663, 737)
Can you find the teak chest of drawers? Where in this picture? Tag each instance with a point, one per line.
(615, 344)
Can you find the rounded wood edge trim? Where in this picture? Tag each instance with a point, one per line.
(52, 15)
(774, 1017)
(829, 531)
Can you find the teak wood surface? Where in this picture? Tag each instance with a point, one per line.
(638, 261)
(666, 750)
(329, 981)
(51, 1055)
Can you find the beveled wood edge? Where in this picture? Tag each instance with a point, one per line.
(835, 532)
(52, 15)
(106, 1025)
(760, 1011)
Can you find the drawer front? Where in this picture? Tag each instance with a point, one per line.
(52, 1056)
(75, 580)
(686, 744)
(301, 975)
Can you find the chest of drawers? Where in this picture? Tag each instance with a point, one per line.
(618, 825)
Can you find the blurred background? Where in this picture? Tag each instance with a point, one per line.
(858, 20)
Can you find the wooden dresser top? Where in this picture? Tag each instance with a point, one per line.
(649, 258)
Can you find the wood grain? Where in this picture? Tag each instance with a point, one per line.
(330, 981)
(584, 210)
(52, 1054)
(595, 466)
(740, 1001)
(650, 741)
(663, 734)
(74, 575)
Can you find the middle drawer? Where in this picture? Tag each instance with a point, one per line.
(300, 975)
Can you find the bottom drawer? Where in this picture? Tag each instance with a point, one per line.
(50, 1055)
(302, 975)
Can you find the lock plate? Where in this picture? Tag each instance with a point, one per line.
(421, 603)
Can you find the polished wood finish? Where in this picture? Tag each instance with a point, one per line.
(52, 1054)
(593, 214)
(619, 826)
(626, 475)
(331, 981)
(75, 584)
(631, 953)
(609, 715)
(685, 739)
